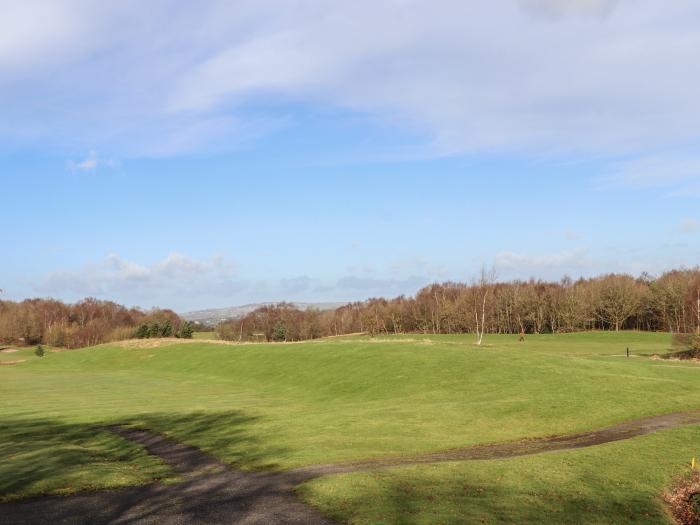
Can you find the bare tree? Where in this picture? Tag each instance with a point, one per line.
(482, 289)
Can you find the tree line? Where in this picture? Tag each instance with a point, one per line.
(86, 323)
(670, 302)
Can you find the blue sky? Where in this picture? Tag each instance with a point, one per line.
(257, 151)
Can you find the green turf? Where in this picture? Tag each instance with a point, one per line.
(285, 405)
(205, 335)
(615, 483)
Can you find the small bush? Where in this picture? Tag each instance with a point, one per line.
(154, 330)
(142, 332)
(684, 499)
(687, 346)
(39, 351)
(279, 332)
(167, 329)
(186, 330)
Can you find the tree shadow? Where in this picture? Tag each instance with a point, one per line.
(206, 490)
(410, 498)
(227, 435)
(47, 455)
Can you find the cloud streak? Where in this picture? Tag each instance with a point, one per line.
(552, 265)
(597, 76)
(677, 174)
(90, 163)
(169, 279)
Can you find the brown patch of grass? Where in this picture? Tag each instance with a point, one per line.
(14, 362)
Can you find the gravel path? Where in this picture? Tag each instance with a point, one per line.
(213, 493)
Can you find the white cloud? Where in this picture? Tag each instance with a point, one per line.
(90, 163)
(176, 277)
(613, 78)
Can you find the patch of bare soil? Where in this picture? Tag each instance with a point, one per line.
(157, 342)
(380, 340)
(164, 341)
(8, 350)
(627, 430)
(677, 356)
(13, 362)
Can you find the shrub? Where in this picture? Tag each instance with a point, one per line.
(684, 499)
(186, 330)
(154, 330)
(687, 345)
(142, 331)
(279, 332)
(167, 329)
(39, 351)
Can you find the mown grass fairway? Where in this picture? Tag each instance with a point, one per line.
(287, 405)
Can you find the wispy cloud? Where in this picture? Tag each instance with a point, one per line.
(465, 76)
(677, 175)
(171, 278)
(186, 283)
(548, 265)
(375, 286)
(90, 163)
(570, 7)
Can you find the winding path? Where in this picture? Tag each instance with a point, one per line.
(211, 492)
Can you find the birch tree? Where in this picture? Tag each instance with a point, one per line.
(482, 289)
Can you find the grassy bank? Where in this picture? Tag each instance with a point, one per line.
(285, 405)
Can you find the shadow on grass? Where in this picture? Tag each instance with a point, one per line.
(229, 436)
(45, 455)
(411, 499)
(206, 490)
(42, 455)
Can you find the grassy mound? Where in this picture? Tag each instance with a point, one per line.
(281, 406)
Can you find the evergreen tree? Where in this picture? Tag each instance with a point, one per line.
(279, 332)
(154, 330)
(39, 352)
(142, 331)
(186, 330)
(167, 330)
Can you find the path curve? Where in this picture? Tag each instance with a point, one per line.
(525, 447)
(211, 492)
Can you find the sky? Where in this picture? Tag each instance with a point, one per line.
(206, 154)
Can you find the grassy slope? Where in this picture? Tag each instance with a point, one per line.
(616, 483)
(286, 405)
(205, 335)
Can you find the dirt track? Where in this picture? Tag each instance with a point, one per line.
(213, 493)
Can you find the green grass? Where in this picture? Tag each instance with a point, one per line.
(205, 335)
(616, 483)
(285, 405)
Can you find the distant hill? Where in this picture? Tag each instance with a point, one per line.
(214, 316)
